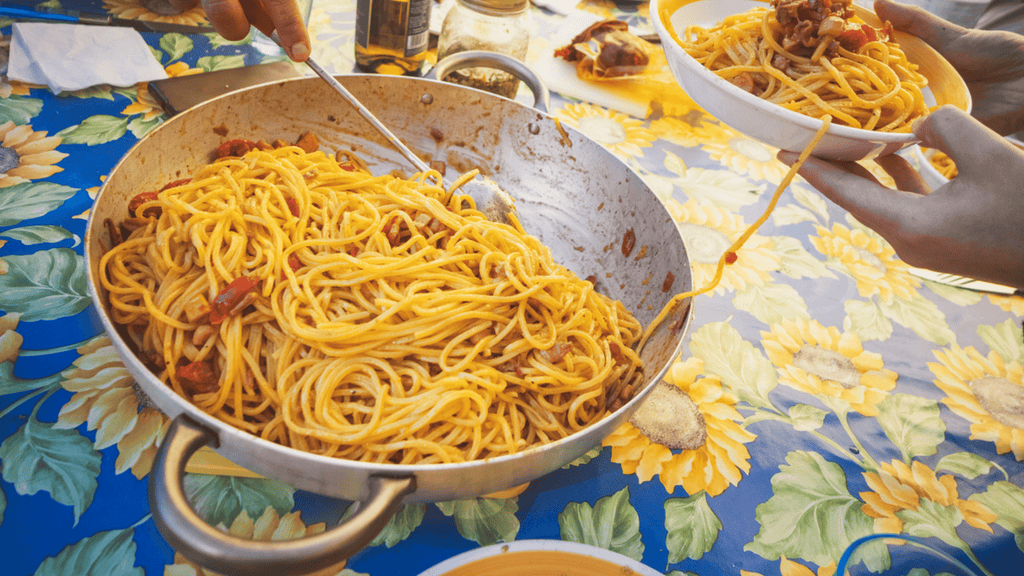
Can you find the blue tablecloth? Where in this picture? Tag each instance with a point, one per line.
(842, 395)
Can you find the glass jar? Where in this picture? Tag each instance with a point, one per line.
(495, 25)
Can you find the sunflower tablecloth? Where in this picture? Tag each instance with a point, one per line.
(841, 395)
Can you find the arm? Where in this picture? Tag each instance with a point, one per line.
(990, 62)
(232, 18)
(972, 226)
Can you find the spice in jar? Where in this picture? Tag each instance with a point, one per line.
(494, 25)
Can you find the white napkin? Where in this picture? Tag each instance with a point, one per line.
(69, 57)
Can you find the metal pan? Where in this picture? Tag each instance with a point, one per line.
(577, 197)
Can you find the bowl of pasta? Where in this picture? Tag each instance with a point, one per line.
(288, 292)
(778, 71)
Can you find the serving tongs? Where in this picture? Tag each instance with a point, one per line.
(490, 198)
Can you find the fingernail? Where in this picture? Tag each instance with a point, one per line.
(300, 51)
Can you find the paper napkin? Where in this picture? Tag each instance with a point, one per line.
(69, 57)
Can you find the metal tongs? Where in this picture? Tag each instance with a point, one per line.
(499, 205)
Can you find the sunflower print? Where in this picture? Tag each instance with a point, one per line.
(144, 102)
(712, 467)
(10, 339)
(898, 487)
(869, 259)
(107, 400)
(1012, 304)
(685, 130)
(708, 232)
(155, 11)
(623, 135)
(824, 361)
(744, 155)
(27, 155)
(268, 527)
(986, 391)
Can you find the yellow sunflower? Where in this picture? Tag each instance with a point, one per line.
(105, 398)
(155, 11)
(144, 102)
(268, 527)
(898, 487)
(686, 131)
(1012, 304)
(623, 135)
(10, 340)
(708, 232)
(869, 259)
(711, 467)
(789, 568)
(824, 361)
(741, 153)
(988, 392)
(27, 155)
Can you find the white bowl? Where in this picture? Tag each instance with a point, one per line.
(932, 176)
(773, 124)
(540, 558)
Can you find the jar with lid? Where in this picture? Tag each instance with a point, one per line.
(495, 25)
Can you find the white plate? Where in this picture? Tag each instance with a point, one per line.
(769, 122)
(540, 558)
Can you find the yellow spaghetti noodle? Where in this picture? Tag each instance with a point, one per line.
(383, 324)
(873, 87)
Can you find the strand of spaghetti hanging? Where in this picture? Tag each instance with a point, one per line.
(729, 256)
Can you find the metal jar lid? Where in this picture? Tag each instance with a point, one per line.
(497, 7)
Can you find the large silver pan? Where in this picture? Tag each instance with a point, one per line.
(578, 198)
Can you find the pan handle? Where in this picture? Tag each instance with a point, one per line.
(207, 546)
(499, 61)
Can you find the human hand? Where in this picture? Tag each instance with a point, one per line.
(232, 18)
(972, 226)
(990, 62)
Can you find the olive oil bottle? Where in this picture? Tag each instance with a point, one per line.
(392, 36)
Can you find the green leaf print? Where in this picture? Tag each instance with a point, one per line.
(796, 262)
(217, 41)
(612, 524)
(21, 111)
(103, 91)
(176, 45)
(1007, 500)
(812, 200)
(98, 129)
(931, 519)
(11, 384)
(692, 527)
(28, 200)
(3, 504)
(157, 55)
(772, 304)
(220, 499)
(811, 514)
(806, 417)
(966, 464)
(912, 423)
(46, 285)
(110, 553)
(746, 372)
(140, 127)
(866, 320)
(61, 462)
(485, 521)
(1004, 339)
(722, 188)
(791, 214)
(212, 63)
(401, 525)
(585, 458)
(41, 234)
(922, 316)
(958, 296)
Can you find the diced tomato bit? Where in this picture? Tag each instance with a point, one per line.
(197, 378)
(853, 39)
(141, 199)
(617, 355)
(293, 206)
(176, 183)
(731, 257)
(347, 166)
(294, 263)
(228, 298)
(235, 148)
(308, 142)
(353, 251)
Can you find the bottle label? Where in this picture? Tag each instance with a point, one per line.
(399, 25)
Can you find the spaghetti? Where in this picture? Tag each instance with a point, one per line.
(815, 57)
(323, 308)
